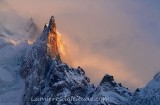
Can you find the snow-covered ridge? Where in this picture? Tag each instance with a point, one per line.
(44, 75)
(48, 76)
(150, 94)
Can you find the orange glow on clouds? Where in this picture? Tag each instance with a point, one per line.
(61, 46)
(97, 66)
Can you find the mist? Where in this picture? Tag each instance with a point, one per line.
(120, 38)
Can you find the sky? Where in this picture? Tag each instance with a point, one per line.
(116, 37)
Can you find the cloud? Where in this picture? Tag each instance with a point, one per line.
(116, 37)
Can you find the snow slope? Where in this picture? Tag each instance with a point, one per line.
(14, 33)
(150, 94)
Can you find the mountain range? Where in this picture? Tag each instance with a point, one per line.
(37, 74)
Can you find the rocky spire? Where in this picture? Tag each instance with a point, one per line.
(48, 41)
(52, 41)
(51, 78)
(48, 28)
(52, 25)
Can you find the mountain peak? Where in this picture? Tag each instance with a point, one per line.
(49, 38)
(46, 75)
(43, 50)
(52, 41)
(107, 78)
(52, 24)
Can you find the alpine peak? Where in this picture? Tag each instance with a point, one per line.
(107, 78)
(52, 40)
(52, 24)
(49, 38)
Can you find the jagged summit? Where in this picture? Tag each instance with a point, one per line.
(52, 24)
(115, 93)
(107, 78)
(46, 75)
(52, 41)
(42, 51)
(49, 38)
(50, 27)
